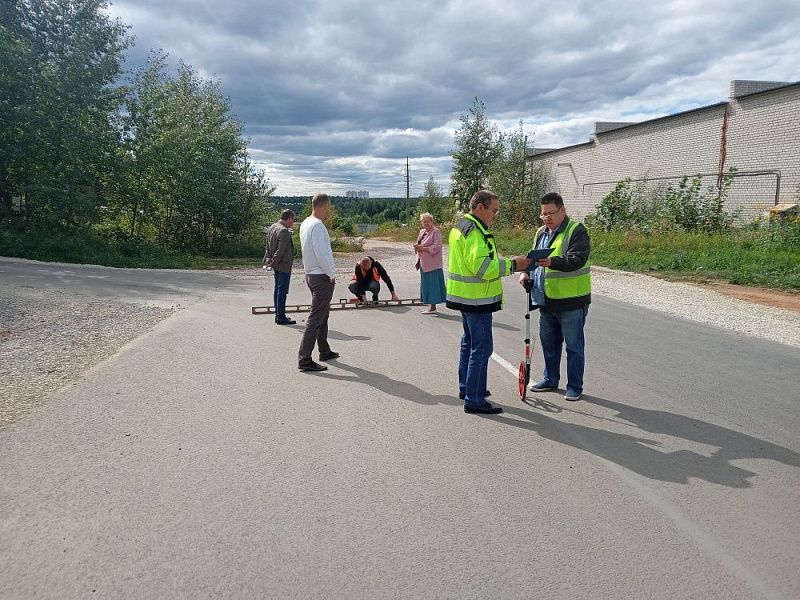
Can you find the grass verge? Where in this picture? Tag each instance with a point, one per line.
(94, 248)
(763, 255)
(760, 257)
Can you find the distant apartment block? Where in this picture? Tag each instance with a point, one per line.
(357, 194)
(757, 131)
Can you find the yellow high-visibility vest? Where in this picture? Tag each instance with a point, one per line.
(565, 284)
(474, 284)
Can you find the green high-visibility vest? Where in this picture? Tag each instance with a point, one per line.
(565, 284)
(475, 269)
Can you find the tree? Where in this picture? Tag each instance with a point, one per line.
(17, 64)
(68, 128)
(162, 158)
(477, 150)
(510, 179)
(434, 201)
(141, 174)
(185, 176)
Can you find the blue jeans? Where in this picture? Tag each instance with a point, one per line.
(473, 363)
(554, 330)
(279, 294)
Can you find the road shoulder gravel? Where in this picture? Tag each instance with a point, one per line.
(48, 338)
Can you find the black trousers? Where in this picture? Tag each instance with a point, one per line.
(374, 287)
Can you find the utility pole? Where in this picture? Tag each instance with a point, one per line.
(524, 168)
(408, 191)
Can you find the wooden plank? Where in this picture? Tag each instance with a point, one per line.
(342, 304)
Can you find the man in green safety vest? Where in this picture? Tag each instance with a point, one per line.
(474, 288)
(562, 290)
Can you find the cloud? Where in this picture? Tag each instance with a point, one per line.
(337, 93)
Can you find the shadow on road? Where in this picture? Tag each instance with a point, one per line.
(338, 335)
(391, 387)
(649, 457)
(633, 451)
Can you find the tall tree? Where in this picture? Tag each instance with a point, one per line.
(187, 176)
(509, 178)
(71, 106)
(171, 165)
(140, 181)
(17, 65)
(477, 150)
(434, 201)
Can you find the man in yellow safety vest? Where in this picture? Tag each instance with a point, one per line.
(474, 288)
(562, 290)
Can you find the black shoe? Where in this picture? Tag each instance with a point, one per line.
(312, 366)
(329, 356)
(483, 409)
(486, 395)
(285, 321)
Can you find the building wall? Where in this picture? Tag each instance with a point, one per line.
(763, 134)
(766, 135)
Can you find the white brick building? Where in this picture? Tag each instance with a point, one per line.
(757, 131)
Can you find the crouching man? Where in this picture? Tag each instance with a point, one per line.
(367, 278)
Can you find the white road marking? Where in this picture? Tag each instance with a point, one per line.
(505, 364)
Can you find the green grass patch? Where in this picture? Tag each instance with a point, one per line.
(90, 247)
(765, 255)
(110, 249)
(397, 234)
(744, 257)
(406, 234)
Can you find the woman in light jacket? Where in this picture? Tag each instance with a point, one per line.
(432, 289)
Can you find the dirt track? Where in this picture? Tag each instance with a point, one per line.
(776, 298)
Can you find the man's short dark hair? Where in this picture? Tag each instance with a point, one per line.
(482, 197)
(553, 198)
(319, 200)
(287, 214)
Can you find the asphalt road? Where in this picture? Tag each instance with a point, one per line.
(198, 462)
(161, 287)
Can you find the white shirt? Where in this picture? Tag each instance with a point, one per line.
(316, 246)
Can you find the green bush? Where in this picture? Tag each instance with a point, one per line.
(339, 244)
(92, 247)
(649, 209)
(764, 254)
(614, 211)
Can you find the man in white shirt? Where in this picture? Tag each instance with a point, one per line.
(321, 279)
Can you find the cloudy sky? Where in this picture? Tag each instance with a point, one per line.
(334, 94)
